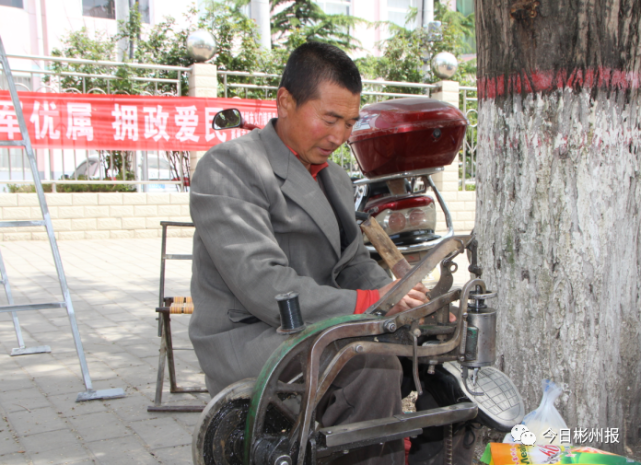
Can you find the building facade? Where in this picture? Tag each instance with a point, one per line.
(36, 27)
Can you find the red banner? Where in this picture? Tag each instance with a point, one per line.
(124, 122)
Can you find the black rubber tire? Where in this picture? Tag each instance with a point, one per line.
(239, 392)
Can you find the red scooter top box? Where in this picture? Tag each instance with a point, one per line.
(407, 134)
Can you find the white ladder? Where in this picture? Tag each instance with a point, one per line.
(21, 349)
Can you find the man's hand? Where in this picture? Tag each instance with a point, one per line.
(414, 298)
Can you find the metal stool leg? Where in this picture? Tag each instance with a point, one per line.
(167, 354)
(162, 357)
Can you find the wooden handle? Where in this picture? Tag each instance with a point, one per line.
(385, 247)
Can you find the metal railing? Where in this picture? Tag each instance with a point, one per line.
(371, 87)
(467, 174)
(108, 77)
(151, 171)
(64, 167)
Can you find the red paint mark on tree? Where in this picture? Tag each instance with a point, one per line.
(589, 78)
(491, 88)
(579, 77)
(526, 83)
(500, 85)
(542, 80)
(604, 76)
(619, 79)
(562, 78)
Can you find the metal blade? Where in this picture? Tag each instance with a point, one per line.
(425, 266)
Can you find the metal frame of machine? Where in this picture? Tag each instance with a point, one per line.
(252, 422)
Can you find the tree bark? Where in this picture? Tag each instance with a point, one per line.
(559, 201)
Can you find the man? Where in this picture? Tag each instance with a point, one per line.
(272, 215)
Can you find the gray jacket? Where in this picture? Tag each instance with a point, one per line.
(265, 227)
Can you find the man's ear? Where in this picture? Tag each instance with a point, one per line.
(285, 103)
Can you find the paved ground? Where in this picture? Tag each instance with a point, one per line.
(114, 287)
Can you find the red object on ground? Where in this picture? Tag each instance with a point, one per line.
(407, 134)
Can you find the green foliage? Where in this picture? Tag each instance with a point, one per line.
(239, 49)
(344, 157)
(299, 21)
(406, 51)
(78, 44)
(26, 188)
(48, 187)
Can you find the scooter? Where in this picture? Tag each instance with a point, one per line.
(271, 419)
(399, 144)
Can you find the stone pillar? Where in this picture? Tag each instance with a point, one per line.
(202, 83)
(122, 16)
(447, 180)
(261, 13)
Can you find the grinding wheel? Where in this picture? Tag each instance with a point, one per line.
(218, 435)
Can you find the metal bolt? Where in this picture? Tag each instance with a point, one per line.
(417, 332)
(328, 432)
(359, 348)
(346, 451)
(430, 370)
(390, 326)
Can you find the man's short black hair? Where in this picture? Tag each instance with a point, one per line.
(315, 62)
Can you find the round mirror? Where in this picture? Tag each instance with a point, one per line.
(228, 119)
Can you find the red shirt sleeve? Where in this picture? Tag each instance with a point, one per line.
(364, 299)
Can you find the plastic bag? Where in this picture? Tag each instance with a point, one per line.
(545, 417)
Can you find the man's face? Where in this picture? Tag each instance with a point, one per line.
(319, 126)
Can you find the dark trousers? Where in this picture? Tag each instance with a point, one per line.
(368, 388)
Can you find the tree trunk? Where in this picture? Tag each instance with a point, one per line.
(559, 200)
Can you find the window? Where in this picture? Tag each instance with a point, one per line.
(107, 9)
(15, 3)
(335, 7)
(143, 8)
(465, 6)
(397, 11)
(99, 8)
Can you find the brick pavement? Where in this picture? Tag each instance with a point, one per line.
(114, 287)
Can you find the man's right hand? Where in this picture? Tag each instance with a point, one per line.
(415, 297)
